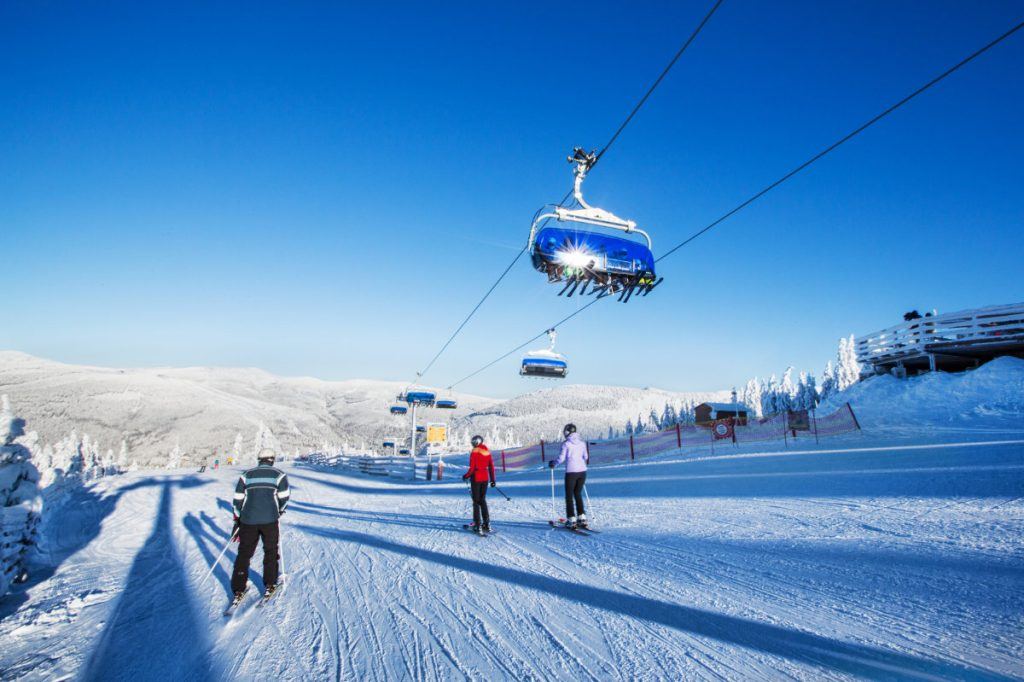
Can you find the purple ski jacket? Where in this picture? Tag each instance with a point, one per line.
(574, 454)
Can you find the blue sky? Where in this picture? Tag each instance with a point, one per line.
(327, 189)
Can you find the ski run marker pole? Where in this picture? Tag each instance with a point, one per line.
(217, 560)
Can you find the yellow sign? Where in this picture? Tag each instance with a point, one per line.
(437, 433)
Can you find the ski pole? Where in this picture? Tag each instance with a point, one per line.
(554, 510)
(280, 544)
(589, 505)
(217, 560)
(503, 493)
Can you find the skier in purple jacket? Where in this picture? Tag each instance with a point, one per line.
(575, 455)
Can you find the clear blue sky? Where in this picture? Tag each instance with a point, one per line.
(327, 189)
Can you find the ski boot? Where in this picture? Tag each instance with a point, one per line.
(570, 523)
(486, 528)
(581, 521)
(269, 592)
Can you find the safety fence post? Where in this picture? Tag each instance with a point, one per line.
(502, 461)
(679, 436)
(855, 422)
(541, 450)
(785, 428)
(632, 454)
(814, 420)
(712, 432)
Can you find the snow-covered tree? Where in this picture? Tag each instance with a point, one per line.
(630, 429)
(751, 396)
(669, 416)
(122, 456)
(769, 396)
(786, 392)
(828, 382)
(236, 449)
(265, 438)
(20, 501)
(848, 369)
(653, 420)
(174, 459)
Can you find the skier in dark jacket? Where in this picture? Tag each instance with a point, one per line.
(575, 455)
(261, 496)
(481, 469)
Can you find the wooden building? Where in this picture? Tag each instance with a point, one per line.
(705, 413)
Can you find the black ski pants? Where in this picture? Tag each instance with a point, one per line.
(479, 491)
(574, 492)
(249, 536)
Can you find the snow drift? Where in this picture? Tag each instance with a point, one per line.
(991, 396)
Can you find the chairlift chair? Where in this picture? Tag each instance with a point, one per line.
(399, 409)
(446, 404)
(545, 363)
(579, 257)
(418, 396)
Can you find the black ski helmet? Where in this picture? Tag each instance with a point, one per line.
(477, 441)
(568, 430)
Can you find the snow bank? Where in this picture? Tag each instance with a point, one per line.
(20, 500)
(991, 396)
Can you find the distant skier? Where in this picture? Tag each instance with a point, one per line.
(261, 496)
(574, 454)
(481, 469)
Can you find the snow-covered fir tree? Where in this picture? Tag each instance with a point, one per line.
(653, 421)
(174, 459)
(236, 449)
(848, 368)
(122, 456)
(828, 382)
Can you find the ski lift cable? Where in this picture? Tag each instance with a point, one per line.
(524, 344)
(773, 185)
(846, 138)
(569, 194)
(657, 82)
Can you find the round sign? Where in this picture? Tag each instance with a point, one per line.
(722, 429)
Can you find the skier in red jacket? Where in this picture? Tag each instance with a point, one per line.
(481, 469)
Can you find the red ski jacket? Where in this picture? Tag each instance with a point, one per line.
(481, 466)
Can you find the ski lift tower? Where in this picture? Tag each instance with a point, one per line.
(415, 397)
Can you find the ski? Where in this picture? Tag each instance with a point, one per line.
(560, 524)
(267, 597)
(469, 527)
(235, 602)
(578, 531)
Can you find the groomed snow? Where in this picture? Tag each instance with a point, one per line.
(861, 559)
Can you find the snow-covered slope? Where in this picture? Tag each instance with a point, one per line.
(197, 408)
(871, 563)
(593, 409)
(200, 409)
(991, 396)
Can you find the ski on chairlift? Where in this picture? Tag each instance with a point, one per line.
(545, 363)
(581, 257)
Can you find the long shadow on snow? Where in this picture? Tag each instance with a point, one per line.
(210, 546)
(424, 521)
(811, 553)
(70, 525)
(154, 632)
(771, 639)
(996, 471)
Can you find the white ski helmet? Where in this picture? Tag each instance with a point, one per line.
(266, 455)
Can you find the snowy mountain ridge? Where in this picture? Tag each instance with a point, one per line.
(201, 410)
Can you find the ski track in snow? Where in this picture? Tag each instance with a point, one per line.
(874, 562)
